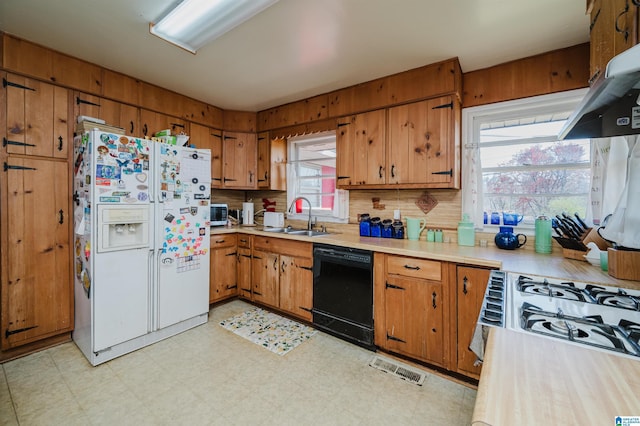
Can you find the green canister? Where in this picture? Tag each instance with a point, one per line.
(543, 235)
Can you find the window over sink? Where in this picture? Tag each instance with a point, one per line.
(311, 173)
(514, 162)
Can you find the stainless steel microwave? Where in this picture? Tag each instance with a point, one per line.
(219, 214)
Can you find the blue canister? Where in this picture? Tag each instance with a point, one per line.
(387, 229)
(365, 225)
(376, 227)
(398, 229)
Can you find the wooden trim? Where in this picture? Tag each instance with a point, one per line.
(20, 351)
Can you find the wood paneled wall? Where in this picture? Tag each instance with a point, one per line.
(556, 71)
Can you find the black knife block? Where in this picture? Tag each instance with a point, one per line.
(589, 235)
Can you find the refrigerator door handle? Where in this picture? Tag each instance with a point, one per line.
(150, 281)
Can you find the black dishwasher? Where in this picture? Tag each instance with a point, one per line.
(343, 293)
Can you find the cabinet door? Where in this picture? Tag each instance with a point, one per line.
(470, 287)
(223, 279)
(414, 319)
(361, 141)
(37, 118)
(244, 273)
(420, 143)
(264, 160)
(153, 122)
(265, 277)
(239, 155)
(206, 138)
(296, 286)
(37, 296)
(121, 115)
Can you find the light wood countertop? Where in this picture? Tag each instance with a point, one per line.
(521, 261)
(531, 380)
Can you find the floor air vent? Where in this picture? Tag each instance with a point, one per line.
(398, 370)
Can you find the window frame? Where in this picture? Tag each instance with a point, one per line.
(293, 189)
(474, 117)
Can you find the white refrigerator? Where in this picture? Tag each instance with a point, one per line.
(141, 242)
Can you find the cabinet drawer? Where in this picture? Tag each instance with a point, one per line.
(219, 241)
(244, 241)
(416, 268)
(283, 246)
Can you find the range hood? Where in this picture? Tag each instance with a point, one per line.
(611, 107)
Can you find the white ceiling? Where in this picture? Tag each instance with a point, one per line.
(299, 48)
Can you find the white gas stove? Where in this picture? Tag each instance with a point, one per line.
(598, 317)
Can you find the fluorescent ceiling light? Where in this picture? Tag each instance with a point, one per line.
(194, 23)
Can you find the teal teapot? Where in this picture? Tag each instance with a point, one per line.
(507, 240)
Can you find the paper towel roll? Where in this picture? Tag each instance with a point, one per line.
(247, 213)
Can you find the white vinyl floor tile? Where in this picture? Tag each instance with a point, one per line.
(209, 376)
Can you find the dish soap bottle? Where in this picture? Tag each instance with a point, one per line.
(466, 232)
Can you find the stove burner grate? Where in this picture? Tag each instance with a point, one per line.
(618, 299)
(563, 290)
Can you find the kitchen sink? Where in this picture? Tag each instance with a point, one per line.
(296, 231)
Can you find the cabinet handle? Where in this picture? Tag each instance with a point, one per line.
(413, 268)
(145, 129)
(433, 300)
(393, 170)
(219, 241)
(464, 285)
(243, 241)
(131, 128)
(282, 267)
(266, 177)
(60, 217)
(10, 167)
(250, 177)
(624, 31)
(6, 83)
(6, 142)
(60, 143)
(380, 172)
(395, 287)
(275, 264)
(395, 339)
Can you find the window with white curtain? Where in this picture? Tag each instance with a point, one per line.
(513, 161)
(311, 173)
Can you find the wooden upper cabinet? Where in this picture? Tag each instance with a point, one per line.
(37, 118)
(27, 58)
(81, 75)
(239, 155)
(613, 29)
(152, 122)
(423, 144)
(272, 161)
(360, 149)
(207, 138)
(113, 113)
(120, 87)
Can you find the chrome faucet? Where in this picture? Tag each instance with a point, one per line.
(308, 202)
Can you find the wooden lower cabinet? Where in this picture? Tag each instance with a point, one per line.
(282, 275)
(471, 283)
(411, 305)
(265, 273)
(223, 282)
(296, 286)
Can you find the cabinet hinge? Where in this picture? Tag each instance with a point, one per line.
(177, 125)
(445, 172)
(305, 309)
(396, 287)
(229, 137)
(9, 167)
(6, 83)
(308, 268)
(231, 254)
(395, 339)
(343, 124)
(449, 105)
(231, 287)
(6, 142)
(229, 180)
(82, 101)
(595, 19)
(8, 333)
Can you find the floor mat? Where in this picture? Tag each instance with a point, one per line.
(269, 330)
